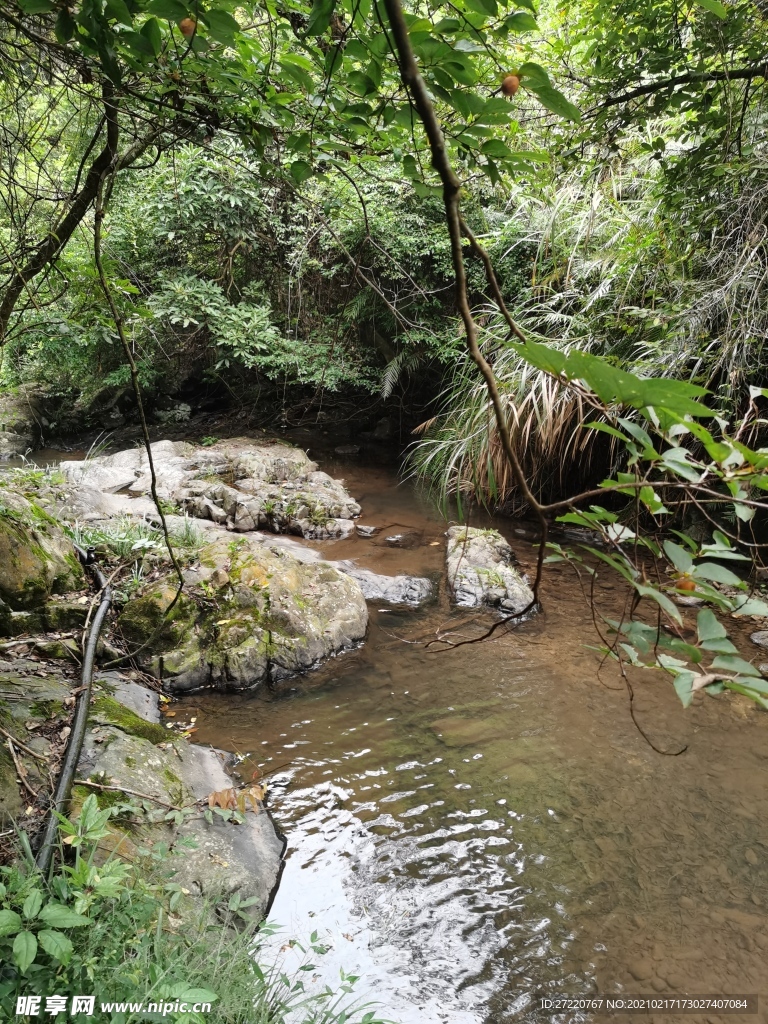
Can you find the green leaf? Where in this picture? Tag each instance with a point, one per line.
(222, 26)
(488, 7)
(168, 10)
(721, 645)
(542, 357)
(300, 171)
(683, 682)
(151, 32)
(65, 26)
(681, 647)
(678, 461)
(36, 6)
(360, 83)
(714, 7)
(56, 945)
(197, 995)
(32, 904)
(708, 627)
(59, 916)
(24, 950)
(533, 74)
(606, 428)
(649, 452)
(733, 663)
(555, 101)
(520, 22)
(10, 922)
(320, 17)
(752, 606)
(136, 42)
(652, 501)
(661, 600)
(118, 11)
(678, 556)
(715, 572)
(495, 148)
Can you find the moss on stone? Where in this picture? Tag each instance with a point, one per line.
(47, 708)
(10, 798)
(144, 620)
(123, 718)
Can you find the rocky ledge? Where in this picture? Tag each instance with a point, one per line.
(128, 752)
(237, 484)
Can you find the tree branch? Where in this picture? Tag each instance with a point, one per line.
(413, 81)
(694, 78)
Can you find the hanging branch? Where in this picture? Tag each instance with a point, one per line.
(120, 327)
(457, 229)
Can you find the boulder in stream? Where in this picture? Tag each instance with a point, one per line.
(237, 483)
(249, 614)
(480, 571)
(408, 590)
(224, 858)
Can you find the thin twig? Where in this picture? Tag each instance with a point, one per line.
(22, 746)
(20, 770)
(118, 321)
(129, 792)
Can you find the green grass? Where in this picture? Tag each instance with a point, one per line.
(123, 930)
(126, 538)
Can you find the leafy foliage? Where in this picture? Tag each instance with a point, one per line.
(111, 928)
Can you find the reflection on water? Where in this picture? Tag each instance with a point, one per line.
(476, 827)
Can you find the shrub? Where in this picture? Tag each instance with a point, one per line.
(113, 929)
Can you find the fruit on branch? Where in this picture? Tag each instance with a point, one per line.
(510, 85)
(685, 583)
(187, 27)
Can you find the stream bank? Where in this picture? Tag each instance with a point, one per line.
(474, 827)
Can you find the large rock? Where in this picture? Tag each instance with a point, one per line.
(36, 556)
(238, 484)
(480, 572)
(249, 614)
(410, 590)
(20, 423)
(226, 858)
(126, 747)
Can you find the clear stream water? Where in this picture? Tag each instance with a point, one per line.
(470, 829)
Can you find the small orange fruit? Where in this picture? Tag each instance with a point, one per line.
(510, 85)
(187, 27)
(685, 583)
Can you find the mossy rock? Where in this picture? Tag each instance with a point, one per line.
(108, 711)
(144, 621)
(35, 554)
(11, 805)
(65, 615)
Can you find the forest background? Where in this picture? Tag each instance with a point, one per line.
(306, 206)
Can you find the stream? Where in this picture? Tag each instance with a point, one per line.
(471, 829)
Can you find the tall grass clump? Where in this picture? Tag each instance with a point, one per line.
(627, 268)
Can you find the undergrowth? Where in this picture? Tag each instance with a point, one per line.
(124, 931)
